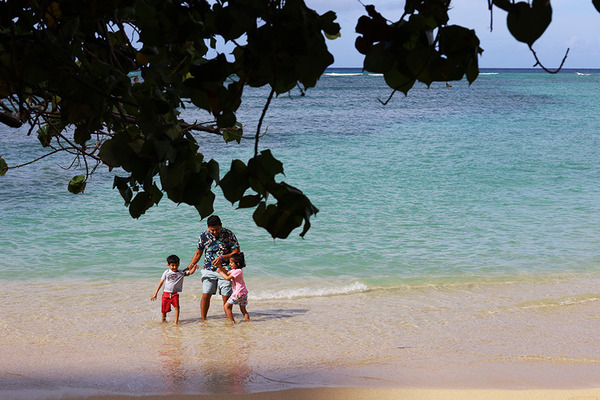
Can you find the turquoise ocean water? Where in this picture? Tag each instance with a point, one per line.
(438, 213)
(493, 180)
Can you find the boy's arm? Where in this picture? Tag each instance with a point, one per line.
(190, 270)
(157, 289)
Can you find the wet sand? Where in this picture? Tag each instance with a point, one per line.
(388, 394)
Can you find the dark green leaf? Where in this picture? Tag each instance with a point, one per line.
(82, 135)
(140, 204)
(123, 185)
(292, 208)
(212, 168)
(44, 135)
(249, 201)
(268, 163)
(235, 182)
(399, 81)
(226, 119)
(527, 23)
(234, 133)
(77, 184)
(379, 59)
(503, 4)
(3, 167)
(205, 206)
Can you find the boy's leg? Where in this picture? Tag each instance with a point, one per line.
(245, 312)
(176, 315)
(165, 307)
(229, 311)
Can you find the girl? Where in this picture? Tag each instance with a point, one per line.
(240, 293)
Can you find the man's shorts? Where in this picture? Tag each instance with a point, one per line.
(240, 300)
(212, 279)
(169, 299)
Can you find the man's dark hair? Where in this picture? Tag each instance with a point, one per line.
(172, 259)
(213, 220)
(239, 259)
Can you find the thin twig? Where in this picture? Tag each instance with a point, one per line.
(538, 62)
(36, 160)
(260, 121)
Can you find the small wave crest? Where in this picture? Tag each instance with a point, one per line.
(561, 302)
(292, 293)
(344, 73)
(351, 74)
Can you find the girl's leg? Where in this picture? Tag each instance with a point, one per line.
(176, 315)
(229, 311)
(164, 317)
(245, 312)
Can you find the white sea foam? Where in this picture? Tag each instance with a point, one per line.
(350, 74)
(344, 74)
(308, 292)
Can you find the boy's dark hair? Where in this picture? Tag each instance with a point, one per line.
(172, 259)
(213, 220)
(239, 259)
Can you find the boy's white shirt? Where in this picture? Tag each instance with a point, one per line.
(173, 280)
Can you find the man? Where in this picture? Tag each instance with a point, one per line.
(220, 244)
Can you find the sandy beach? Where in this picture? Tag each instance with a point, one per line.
(388, 394)
(496, 343)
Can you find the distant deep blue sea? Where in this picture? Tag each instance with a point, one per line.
(465, 217)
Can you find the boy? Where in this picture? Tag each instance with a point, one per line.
(173, 280)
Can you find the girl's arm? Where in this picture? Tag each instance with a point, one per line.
(224, 274)
(157, 289)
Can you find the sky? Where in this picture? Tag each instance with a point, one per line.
(575, 26)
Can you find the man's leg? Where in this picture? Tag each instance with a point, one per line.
(204, 305)
(209, 287)
(225, 289)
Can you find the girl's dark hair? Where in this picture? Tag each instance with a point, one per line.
(239, 259)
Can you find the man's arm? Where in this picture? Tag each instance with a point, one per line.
(218, 260)
(195, 259)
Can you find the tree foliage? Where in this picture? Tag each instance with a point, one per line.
(65, 70)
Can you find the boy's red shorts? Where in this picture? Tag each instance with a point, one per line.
(169, 299)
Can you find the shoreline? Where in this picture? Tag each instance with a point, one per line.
(350, 393)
